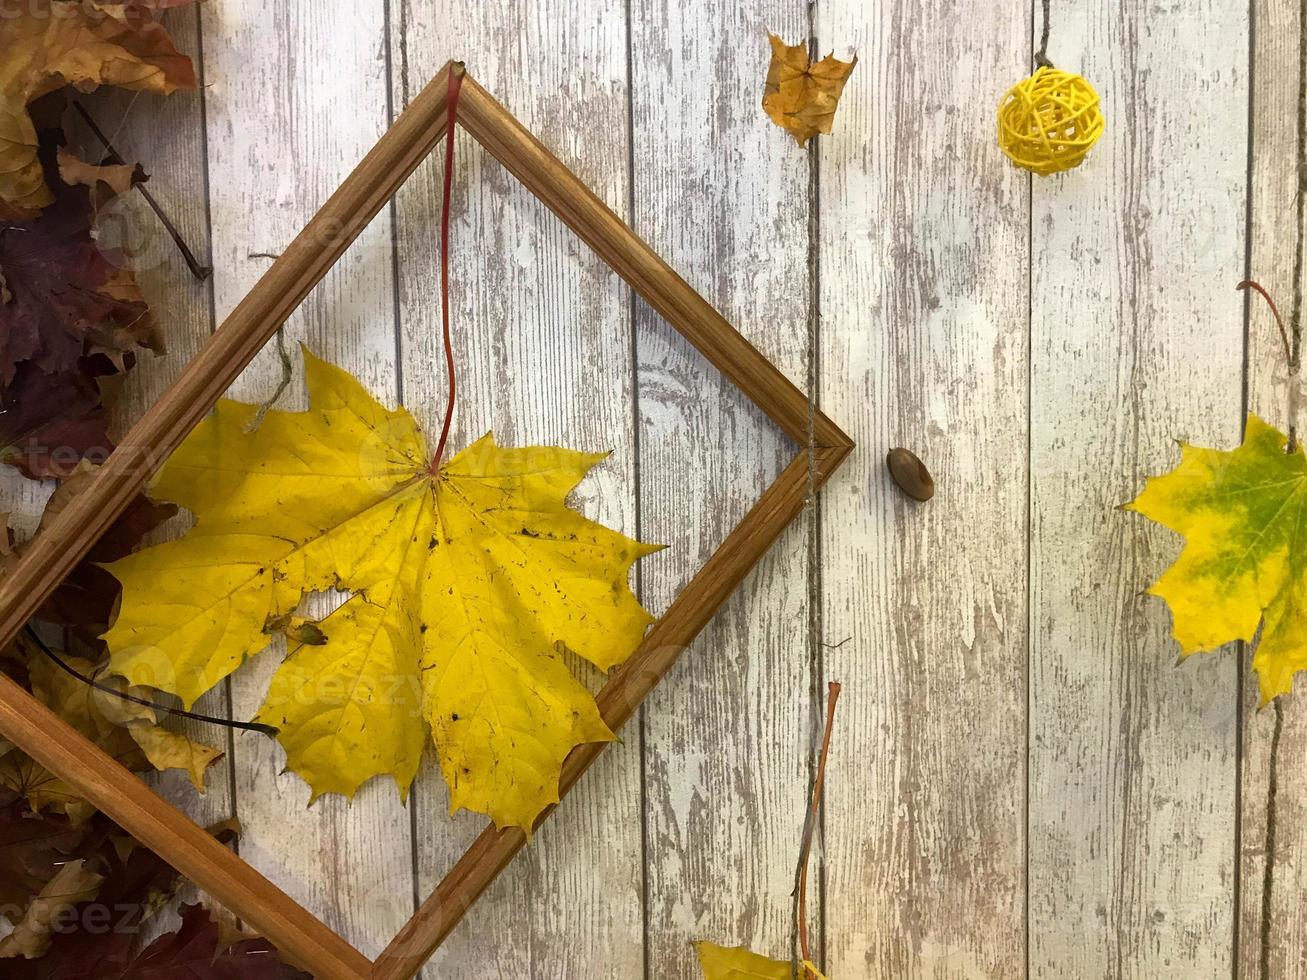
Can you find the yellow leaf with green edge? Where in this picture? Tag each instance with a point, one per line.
(737, 963)
(466, 587)
(1243, 514)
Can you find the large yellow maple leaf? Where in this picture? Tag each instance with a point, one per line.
(47, 44)
(467, 586)
(1243, 514)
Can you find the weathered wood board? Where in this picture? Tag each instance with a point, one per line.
(1022, 782)
(1135, 335)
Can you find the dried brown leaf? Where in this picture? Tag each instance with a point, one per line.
(47, 44)
(800, 96)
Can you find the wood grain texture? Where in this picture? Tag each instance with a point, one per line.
(298, 95)
(1040, 344)
(1272, 934)
(780, 505)
(542, 337)
(1136, 337)
(923, 266)
(723, 196)
(59, 747)
(167, 137)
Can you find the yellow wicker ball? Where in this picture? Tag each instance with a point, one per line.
(1047, 123)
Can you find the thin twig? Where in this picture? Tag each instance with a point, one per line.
(247, 726)
(809, 826)
(1290, 356)
(1279, 322)
(287, 372)
(199, 271)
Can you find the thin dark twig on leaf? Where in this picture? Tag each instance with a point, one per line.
(804, 953)
(67, 668)
(199, 271)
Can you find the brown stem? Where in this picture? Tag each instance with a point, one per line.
(809, 828)
(1041, 56)
(456, 73)
(1279, 322)
(1290, 358)
(200, 272)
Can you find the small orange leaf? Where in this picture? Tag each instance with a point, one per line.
(801, 97)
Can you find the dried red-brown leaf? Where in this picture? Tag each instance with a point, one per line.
(72, 317)
(33, 847)
(86, 598)
(191, 952)
(99, 938)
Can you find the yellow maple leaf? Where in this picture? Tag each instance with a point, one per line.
(800, 96)
(1244, 562)
(738, 963)
(47, 44)
(466, 586)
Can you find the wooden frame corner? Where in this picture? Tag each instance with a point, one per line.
(53, 554)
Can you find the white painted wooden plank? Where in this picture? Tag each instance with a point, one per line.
(1272, 934)
(724, 196)
(165, 135)
(923, 344)
(543, 344)
(1136, 341)
(298, 94)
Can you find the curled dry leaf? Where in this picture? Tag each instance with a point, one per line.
(71, 885)
(136, 885)
(800, 96)
(127, 731)
(47, 44)
(196, 950)
(33, 847)
(117, 178)
(466, 586)
(170, 750)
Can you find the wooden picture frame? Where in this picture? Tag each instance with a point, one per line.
(52, 555)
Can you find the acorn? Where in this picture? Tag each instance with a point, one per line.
(910, 474)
